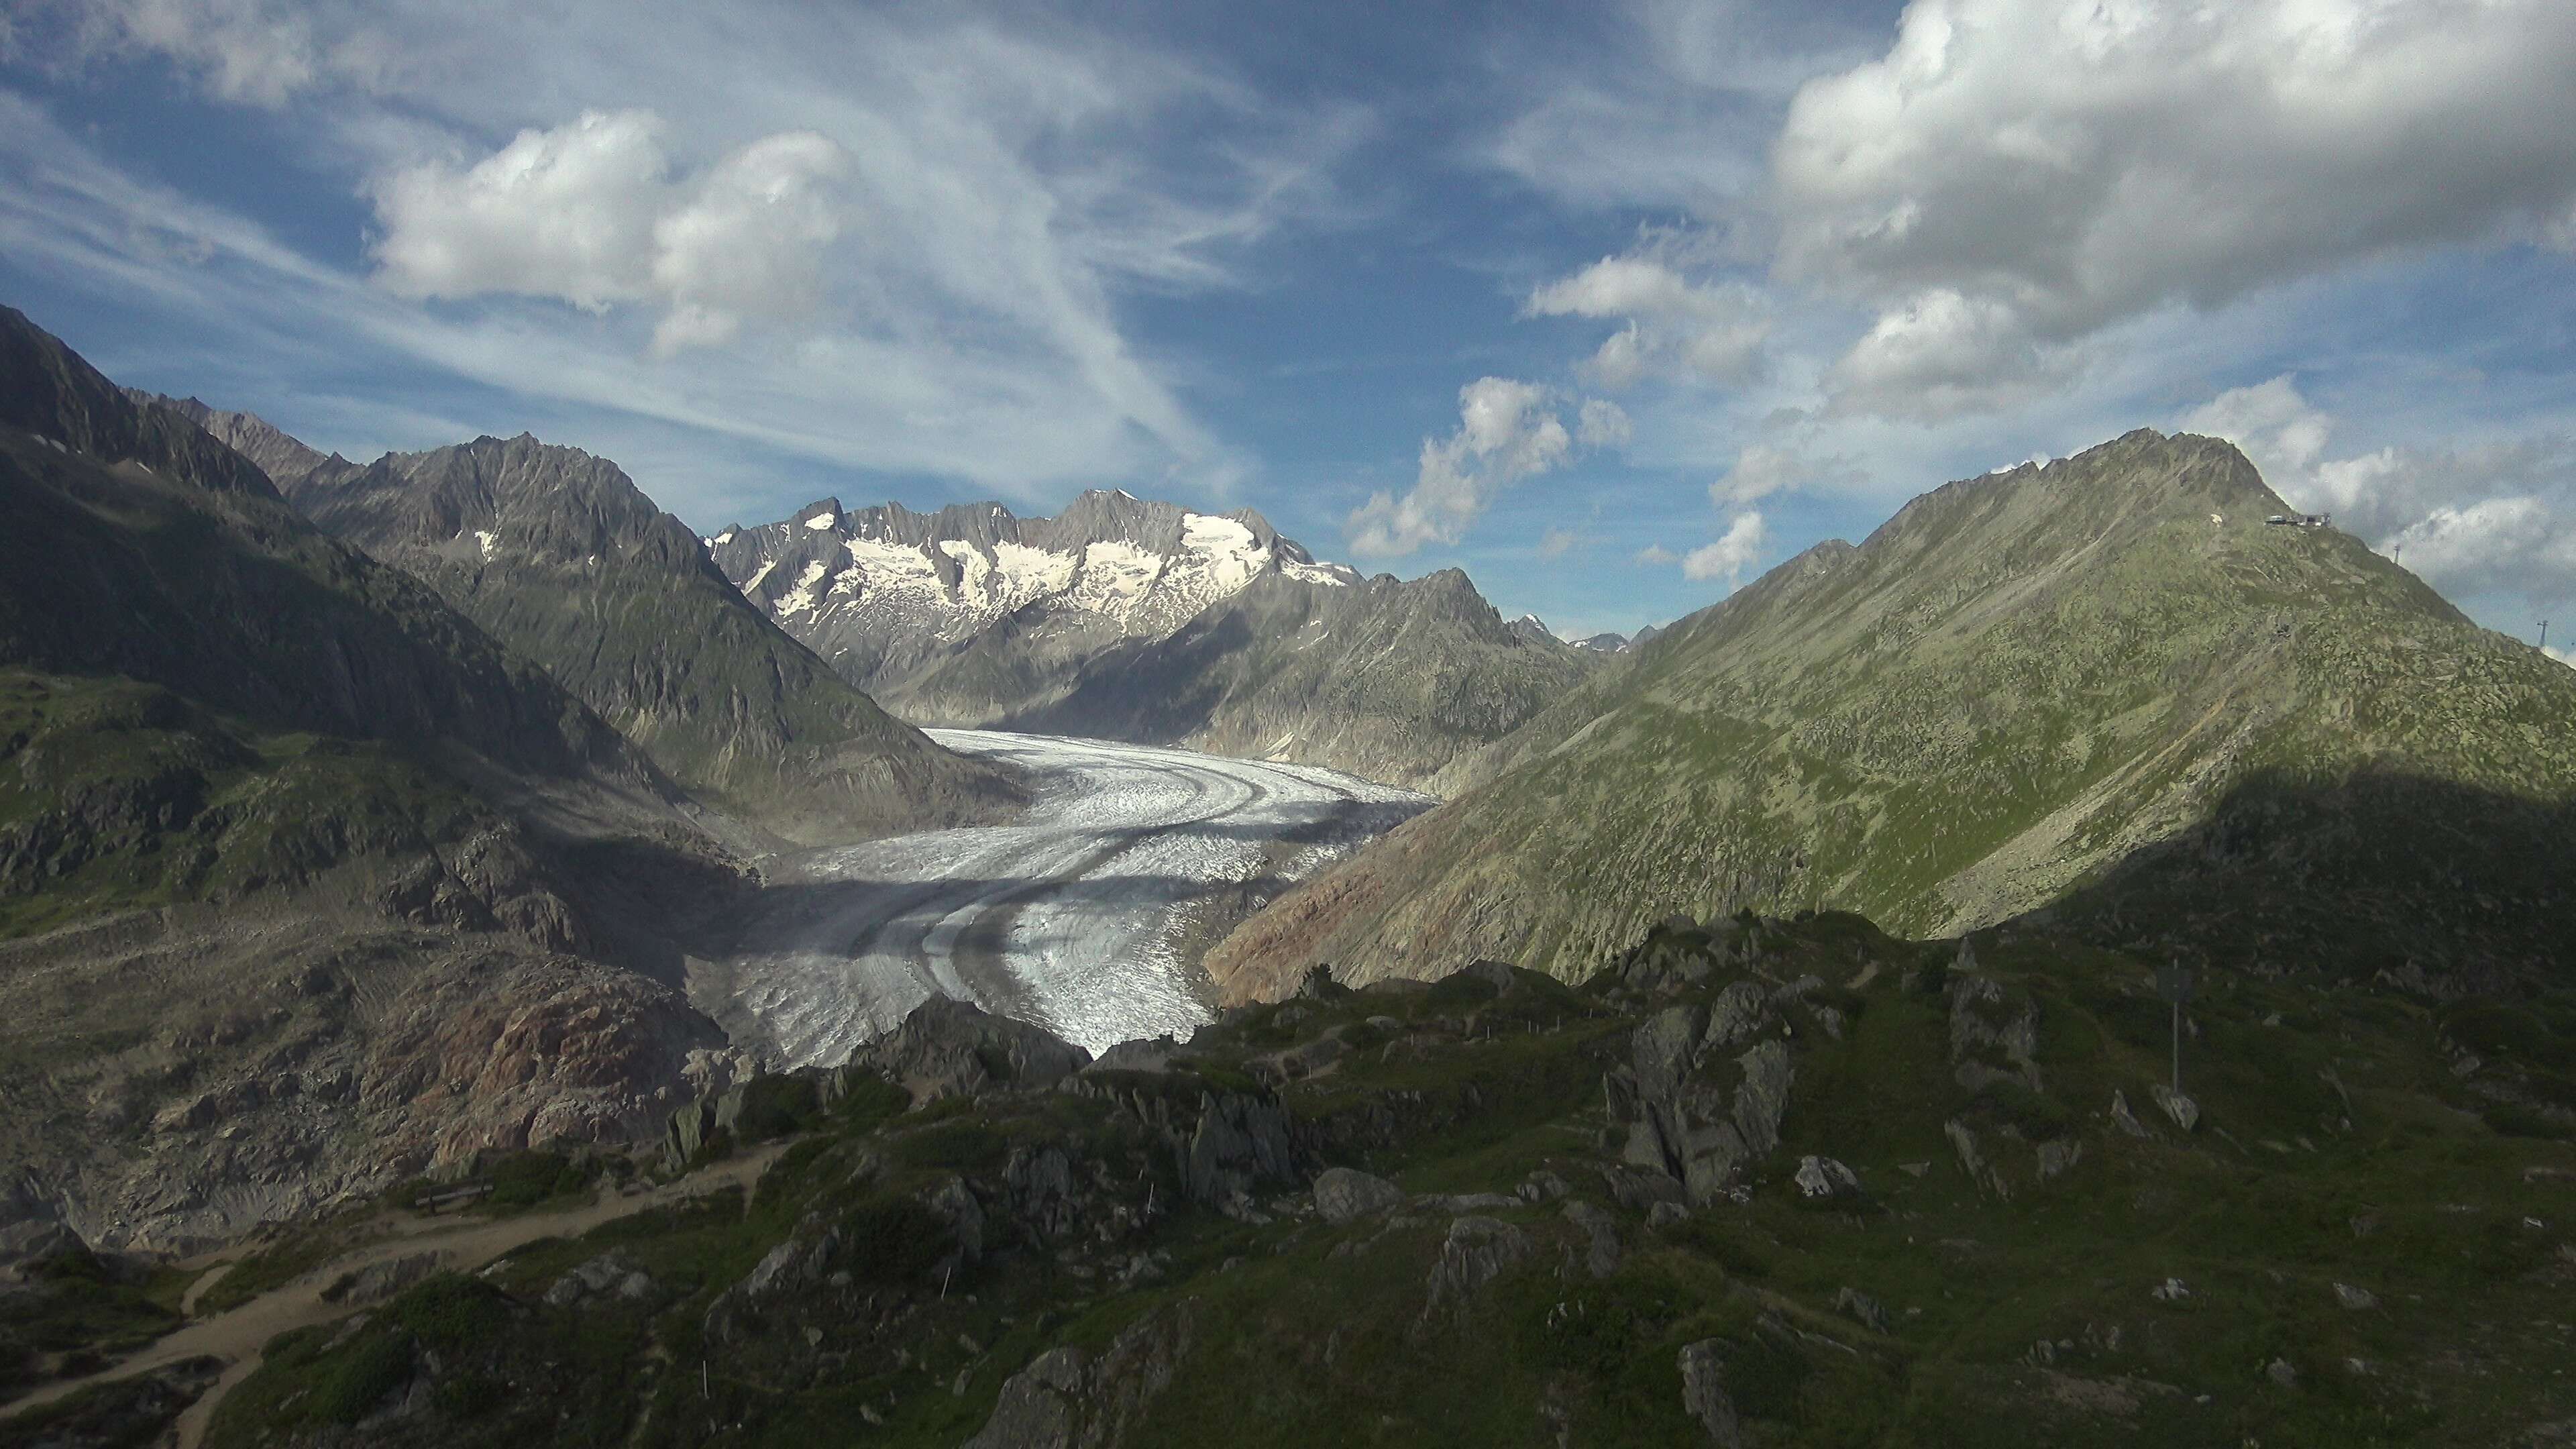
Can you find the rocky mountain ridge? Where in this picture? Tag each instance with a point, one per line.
(1148, 622)
(558, 554)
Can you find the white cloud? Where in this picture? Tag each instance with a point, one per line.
(589, 213)
(1601, 423)
(1507, 431)
(1655, 555)
(1940, 354)
(240, 49)
(1738, 549)
(2563, 656)
(1557, 542)
(1672, 323)
(891, 240)
(2489, 519)
(1761, 470)
(2016, 174)
(2271, 422)
(567, 213)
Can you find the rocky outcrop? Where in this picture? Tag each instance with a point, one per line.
(952, 1048)
(611, 1275)
(1823, 1179)
(1600, 1238)
(1477, 1251)
(2183, 1110)
(1074, 1398)
(1994, 1035)
(1691, 1110)
(1704, 1395)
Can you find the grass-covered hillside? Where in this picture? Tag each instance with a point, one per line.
(1761, 1182)
(2108, 675)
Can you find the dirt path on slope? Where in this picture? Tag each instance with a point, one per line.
(238, 1334)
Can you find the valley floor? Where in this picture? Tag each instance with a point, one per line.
(1083, 916)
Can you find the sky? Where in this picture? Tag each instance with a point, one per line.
(1613, 306)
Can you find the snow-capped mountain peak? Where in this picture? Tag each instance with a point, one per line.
(861, 580)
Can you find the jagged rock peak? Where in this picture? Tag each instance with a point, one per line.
(48, 390)
(282, 457)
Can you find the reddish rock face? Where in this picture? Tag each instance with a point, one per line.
(509, 1052)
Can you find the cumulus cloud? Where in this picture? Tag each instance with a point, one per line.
(1734, 551)
(1761, 470)
(1655, 555)
(2493, 519)
(1601, 423)
(1941, 353)
(589, 213)
(1507, 431)
(1672, 324)
(2015, 175)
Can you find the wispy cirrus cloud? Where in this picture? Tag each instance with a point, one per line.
(889, 242)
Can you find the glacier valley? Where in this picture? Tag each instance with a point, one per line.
(1084, 916)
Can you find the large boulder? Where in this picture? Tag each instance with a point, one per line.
(951, 1048)
(1073, 1398)
(1704, 1395)
(1344, 1195)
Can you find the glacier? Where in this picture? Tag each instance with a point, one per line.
(1078, 917)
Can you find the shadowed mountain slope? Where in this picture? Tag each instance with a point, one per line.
(1389, 679)
(2017, 684)
(305, 881)
(558, 554)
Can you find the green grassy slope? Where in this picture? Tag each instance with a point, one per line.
(2017, 684)
(2372, 1139)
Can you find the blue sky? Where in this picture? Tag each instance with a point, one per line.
(1613, 306)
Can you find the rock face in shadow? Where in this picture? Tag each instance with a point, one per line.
(561, 557)
(2017, 684)
(952, 1048)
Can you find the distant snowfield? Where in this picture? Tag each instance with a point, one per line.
(1070, 918)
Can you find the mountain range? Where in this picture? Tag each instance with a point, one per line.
(2103, 689)
(358, 825)
(1147, 622)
